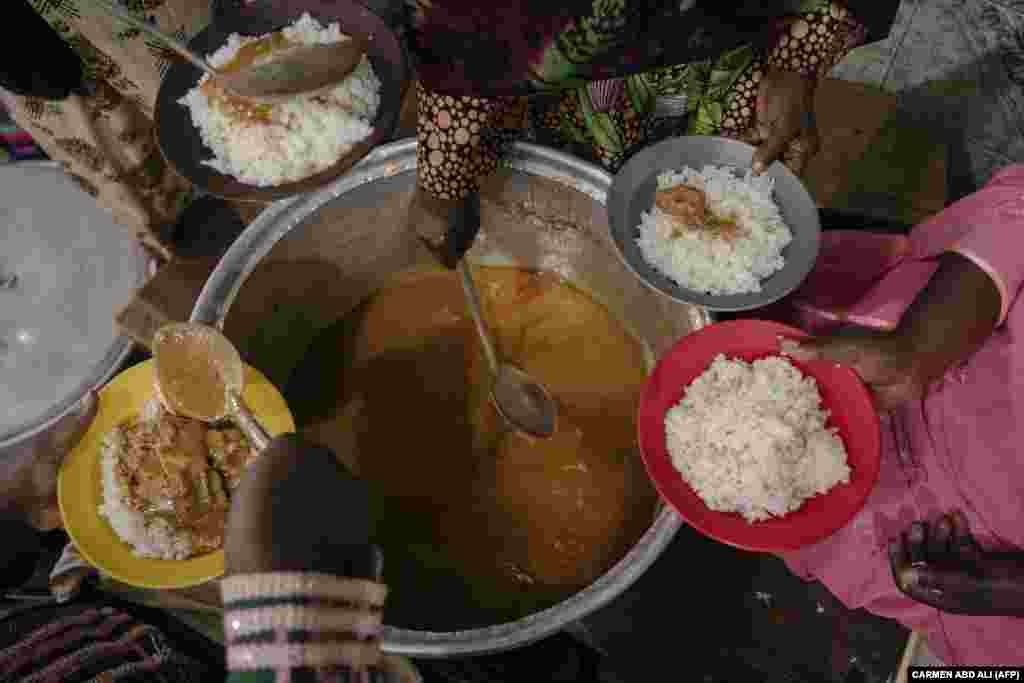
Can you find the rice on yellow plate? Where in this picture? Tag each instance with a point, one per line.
(80, 482)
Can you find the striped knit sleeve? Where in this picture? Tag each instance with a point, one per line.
(295, 627)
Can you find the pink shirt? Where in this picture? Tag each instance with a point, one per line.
(961, 448)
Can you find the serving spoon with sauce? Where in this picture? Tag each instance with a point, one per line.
(521, 400)
(295, 69)
(200, 375)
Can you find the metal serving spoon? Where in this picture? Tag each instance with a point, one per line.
(294, 71)
(524, 403)
(200, 375)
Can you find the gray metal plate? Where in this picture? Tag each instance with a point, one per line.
(632, 193)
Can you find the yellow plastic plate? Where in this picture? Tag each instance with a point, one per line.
(79, 485)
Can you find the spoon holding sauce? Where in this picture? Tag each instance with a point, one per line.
(200, 375)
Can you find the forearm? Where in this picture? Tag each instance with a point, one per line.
(302, 592)
(951, 317)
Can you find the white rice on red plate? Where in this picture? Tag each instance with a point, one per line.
(751, 438)
(305, 136)
(706, 263)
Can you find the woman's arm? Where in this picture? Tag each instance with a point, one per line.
(951, 318)
(979, 276)
(947, 321)
(303, 588)
(460, 142)
(800, 49)
(461, 138)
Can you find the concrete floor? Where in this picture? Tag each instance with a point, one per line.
(716, 613)
(957, 67)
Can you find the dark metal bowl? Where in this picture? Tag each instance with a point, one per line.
(180, 141)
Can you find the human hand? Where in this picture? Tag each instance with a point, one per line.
(943, 566)
(784, 126)
(446, 227)
(28, 490)
(298, 509)
(886, 363)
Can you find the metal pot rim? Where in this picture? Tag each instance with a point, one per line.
(283, 216)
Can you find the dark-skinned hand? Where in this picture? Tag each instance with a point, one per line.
(299, 509)
(784, 128)
(943, 566)
(885, 362)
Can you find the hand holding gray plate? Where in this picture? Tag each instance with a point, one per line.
(632, 193)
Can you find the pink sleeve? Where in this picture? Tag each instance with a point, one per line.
(994, 236)
(986, 227)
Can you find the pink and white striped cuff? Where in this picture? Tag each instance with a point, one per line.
(287, 620)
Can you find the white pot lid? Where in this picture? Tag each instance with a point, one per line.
(65, 269)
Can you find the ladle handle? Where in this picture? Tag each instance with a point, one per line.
(474, 308)
(129, 18)
(248, 423)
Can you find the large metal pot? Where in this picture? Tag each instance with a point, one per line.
(544, 211)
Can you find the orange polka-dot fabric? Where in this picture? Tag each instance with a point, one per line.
(815, 41)
(461, 139)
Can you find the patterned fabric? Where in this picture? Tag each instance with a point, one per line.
(106, 138)
(461, 138)
(68, 645)
(610, 118)
(303, 626)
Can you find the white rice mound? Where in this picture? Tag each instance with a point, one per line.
(305, 136)
(155, 539)
(751, 438)
(709, 264)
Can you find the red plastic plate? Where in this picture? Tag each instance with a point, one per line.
(843, 395)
